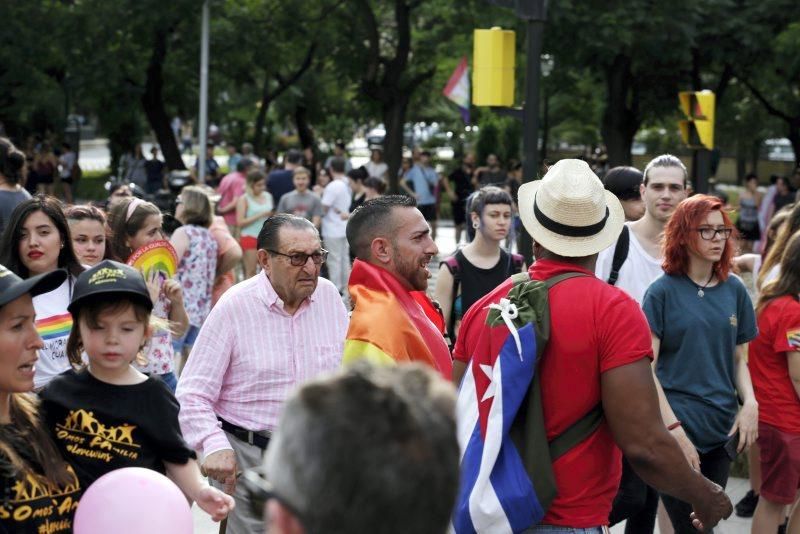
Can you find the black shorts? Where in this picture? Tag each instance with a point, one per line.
(428, 211)
(459, 211)
(749, 231)
(66, 179)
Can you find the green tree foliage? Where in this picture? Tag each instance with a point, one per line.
(327, 68)
(776, 84)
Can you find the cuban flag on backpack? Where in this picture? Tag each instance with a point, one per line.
(496, 493)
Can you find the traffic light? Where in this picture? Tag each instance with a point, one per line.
(698, 130)
(493, 60)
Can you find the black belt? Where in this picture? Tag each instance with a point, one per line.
(260, 439)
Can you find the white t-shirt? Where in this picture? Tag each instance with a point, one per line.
(378, 170)
(636, 274)
(54, 323)
(336, 198)
(67, 161)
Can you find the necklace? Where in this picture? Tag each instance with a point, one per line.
(700, 292)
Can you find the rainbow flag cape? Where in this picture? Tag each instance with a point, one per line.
(389, 325)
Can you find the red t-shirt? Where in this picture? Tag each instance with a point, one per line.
(778, 333)
(594, 327)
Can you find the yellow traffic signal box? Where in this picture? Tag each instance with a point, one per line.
(698, 130)
(493, 61)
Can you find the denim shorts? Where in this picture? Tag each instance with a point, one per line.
(187, 340)
(170, 380)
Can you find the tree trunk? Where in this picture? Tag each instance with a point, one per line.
(394, 117)
(741, 162)
(755, 155)
(794, 138)
(621, 115)
(545, 128)
(261, 116)
(304, 131)
(153, 103)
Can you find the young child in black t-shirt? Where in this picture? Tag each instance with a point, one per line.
(107, 415)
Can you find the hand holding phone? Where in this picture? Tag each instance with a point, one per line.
(732, 446)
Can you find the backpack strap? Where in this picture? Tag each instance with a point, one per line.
(550, 282)
(517, 262)
(620, 254)
(451, 262)
(520, 278)
(577, 432)
(452, 265)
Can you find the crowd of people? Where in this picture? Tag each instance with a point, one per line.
(286, 274)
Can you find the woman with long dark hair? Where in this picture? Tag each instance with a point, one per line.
(37, 240)
(701, 320)
(39, 488)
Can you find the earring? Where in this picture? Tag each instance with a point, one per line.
(476, 225)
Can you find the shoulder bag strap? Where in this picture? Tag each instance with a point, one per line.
(620, 254)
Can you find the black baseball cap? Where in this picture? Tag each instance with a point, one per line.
(624, 182)
(12, 286)
(109, 278)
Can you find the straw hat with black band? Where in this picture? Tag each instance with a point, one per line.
(569, 212)
(13, 287)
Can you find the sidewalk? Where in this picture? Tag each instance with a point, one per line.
(736, 489)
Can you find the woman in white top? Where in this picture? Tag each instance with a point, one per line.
(376, 167)
(37, 240)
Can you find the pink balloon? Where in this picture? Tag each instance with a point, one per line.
(133, 500)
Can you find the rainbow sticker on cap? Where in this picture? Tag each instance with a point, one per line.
(156, 256)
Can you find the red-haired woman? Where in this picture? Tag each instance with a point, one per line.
(701, 321)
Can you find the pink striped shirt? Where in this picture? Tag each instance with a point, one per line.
(250, 354)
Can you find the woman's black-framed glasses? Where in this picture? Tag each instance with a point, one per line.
(710, 234)
(300, 258)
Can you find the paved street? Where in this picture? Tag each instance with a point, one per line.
(737, 487)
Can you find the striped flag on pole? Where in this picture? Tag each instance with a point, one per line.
(457, 88)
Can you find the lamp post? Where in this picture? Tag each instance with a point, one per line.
(534, 13)
(203, 127)
(547, 64)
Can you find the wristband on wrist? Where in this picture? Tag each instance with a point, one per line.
(674, 425)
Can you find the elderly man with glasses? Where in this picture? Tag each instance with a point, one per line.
(265, 336)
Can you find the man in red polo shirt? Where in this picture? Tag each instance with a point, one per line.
(599, 351)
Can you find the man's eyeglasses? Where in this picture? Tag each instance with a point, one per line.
(259, 490)
(300, 258)
(710, 234)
